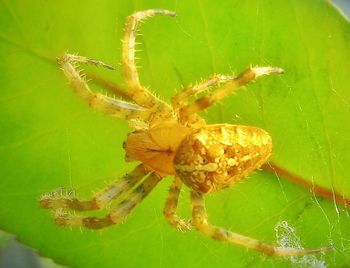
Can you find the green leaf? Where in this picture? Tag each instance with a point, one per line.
(49, 138)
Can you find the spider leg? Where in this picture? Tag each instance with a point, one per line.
(217, 79)
(231, 86)
(98, 101)
(107, 195)
(171, 206)
(117, 215)
(129, 71)
(200, 221)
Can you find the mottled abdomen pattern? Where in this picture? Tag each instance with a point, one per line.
(216, 156)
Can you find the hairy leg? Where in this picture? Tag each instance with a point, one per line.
(97, 101)
(113, 191)
(200, 221)
(171, 206)
(137, 92)
(116, 215)
(231, 86)
(215, 80)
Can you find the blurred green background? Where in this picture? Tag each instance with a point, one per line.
(50, 139)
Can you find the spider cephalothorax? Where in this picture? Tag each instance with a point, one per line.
(171, 140)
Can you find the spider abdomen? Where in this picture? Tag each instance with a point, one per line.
(216, 156)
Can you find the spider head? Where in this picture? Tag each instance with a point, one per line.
(156, 147)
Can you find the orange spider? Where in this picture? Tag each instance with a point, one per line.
(171, 140)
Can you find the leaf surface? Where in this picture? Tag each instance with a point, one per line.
(49, 138)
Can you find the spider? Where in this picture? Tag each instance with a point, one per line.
(170, 139)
